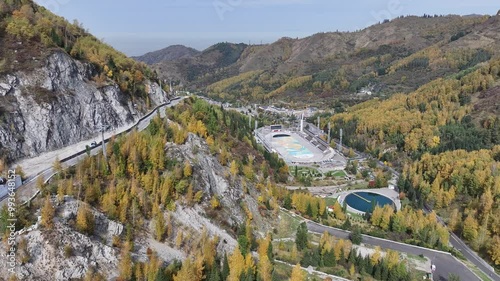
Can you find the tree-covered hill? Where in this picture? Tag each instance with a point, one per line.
(391, 57)
(170, 53)
(447, 142)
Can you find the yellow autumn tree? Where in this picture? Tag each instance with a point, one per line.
(189, 271)
(375, 257)
(214, 203)
(392, 258)
(470, 229)
(387, 213)
(265, 267)
(352, 271)
(160, 226)
(85, 220)
(48, 214)
(125, 266)
(233, 168)
(236, 264)
(188, 170)
(377, 214)
(454, 220)
(494, 250)
(298, 274)
(57, 165)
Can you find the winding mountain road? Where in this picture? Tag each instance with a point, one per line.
(445, 262)
(29, 188)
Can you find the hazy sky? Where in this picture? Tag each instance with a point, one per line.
(139, 26)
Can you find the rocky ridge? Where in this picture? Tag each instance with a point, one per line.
(59, 104)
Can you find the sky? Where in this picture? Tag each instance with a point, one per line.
(136, 27)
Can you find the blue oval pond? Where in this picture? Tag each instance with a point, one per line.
(366, 201)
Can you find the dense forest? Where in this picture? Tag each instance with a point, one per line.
(464, 187)
(432, 119)
(455, 156)
(259, 85)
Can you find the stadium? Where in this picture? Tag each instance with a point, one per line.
(295, 146)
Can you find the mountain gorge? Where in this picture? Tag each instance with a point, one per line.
(195, 196)
(431, 108)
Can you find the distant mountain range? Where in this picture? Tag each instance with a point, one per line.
(395, 56)
(170, 53)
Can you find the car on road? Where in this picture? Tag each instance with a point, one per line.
(93, 144)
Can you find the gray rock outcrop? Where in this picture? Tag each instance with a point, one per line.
(59, 104)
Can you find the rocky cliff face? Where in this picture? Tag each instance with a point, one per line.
(65, 254)
(59, 104)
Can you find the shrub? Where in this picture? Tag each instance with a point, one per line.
(68, 251)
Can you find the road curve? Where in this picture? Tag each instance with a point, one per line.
(445, 262)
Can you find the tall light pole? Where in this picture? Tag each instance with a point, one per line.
(340, 144)
(102, 129)
(329, 132)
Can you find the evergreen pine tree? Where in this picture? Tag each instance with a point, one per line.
(385, 271)
(368, 265)
(225, 268)
(329, 258)
(287, 202)
(342, 259)
(352, 257)
(214, 274)
(377, 272)
(309, 211)
(347, 224)
(270, 254)
(301, 236)
(249, 276)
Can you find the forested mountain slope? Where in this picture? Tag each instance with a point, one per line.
(58, 82)
(386, 58)
(178, 193)
(447, 140)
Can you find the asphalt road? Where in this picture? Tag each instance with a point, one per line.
(470, 255)
(445, 263)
